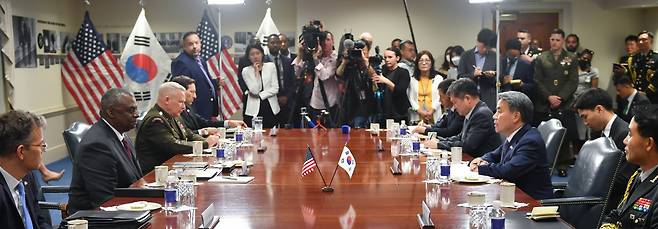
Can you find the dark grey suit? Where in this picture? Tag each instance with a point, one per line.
(101, 166)
(639, 99)
(486, 85)
(478, 134)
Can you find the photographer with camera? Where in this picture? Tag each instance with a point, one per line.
(358, 102)
(315, 66)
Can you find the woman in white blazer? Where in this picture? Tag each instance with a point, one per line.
(262, 88)
(423, 91)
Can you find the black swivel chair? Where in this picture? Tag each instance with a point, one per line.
(552, 132)
(72, 138)
(588, 189)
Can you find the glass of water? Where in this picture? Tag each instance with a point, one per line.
(257, 123)
(187, 193)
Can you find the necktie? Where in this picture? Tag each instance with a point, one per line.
(212, 88)
(627, 108)
(504, 150)
(464, 129)
(278, 72)
(126, 148)
(27, 220)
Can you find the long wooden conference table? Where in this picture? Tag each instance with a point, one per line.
(279, 197)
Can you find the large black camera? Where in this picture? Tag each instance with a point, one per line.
(311, 38)
(354, 49)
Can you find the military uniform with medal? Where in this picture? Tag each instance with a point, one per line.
(645, 66)
(638, 208)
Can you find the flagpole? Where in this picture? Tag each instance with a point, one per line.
(332, 176)
(316, 164)
(219, 62)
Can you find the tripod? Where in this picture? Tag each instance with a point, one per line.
(309, 69)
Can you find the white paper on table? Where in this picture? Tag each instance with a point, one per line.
(231, 180)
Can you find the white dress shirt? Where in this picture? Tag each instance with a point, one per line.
(606, 130)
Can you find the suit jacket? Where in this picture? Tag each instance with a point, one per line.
(523, 162)
(260, 88)
(555, 77)
(205, 105)
(619, 131)
(194, 121)
(450, 124)
(478, 135)
(287, 75)
(522, 72)
(243, 62)
(160, 137)
(101, 166)
(640, 209)
(486, 85)
(10, 216)
(639, 99)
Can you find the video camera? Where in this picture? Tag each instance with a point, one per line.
(354, 49)
(311, 38)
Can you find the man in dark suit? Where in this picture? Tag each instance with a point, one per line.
(284, 47)
(285, 76)
(517, 73)
(190, 63)
(528, 52)
(627, 97)
(479, 64)
(194, 121)
(106, 157)
(522, 158)
(21, 149)
(451, 122)
(638, 208)
(595, 108)
(478, 135)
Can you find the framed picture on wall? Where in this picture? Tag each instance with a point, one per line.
(25, 42)
(50, 41)
(113, 42)
(66, 39)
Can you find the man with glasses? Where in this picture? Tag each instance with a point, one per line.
(21, 151)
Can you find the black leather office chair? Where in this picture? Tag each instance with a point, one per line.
(589, 185)
(553, 134)
(73, 136)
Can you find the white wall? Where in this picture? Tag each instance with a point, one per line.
(41, 90)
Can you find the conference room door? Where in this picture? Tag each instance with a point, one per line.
(539, 25)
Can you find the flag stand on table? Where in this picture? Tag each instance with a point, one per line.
(309, 164)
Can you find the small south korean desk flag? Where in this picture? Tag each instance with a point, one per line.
(145, 63)
(347, 161)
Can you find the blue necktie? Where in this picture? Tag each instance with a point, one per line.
(27, 220)
(503, 150)
(212, 88)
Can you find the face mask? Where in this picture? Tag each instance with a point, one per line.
(455, 60)
(585, 64)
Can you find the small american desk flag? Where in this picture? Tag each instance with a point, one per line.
(90, 70)
(309, 163)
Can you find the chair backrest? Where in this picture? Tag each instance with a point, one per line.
(72, 137)
(553, 134)
(598, 163)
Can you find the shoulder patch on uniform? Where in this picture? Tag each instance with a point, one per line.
(158, 119)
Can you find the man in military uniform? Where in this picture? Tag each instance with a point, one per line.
(556, 78)
(162, 134)
(645, 63)
(638, 209)
(194, 121)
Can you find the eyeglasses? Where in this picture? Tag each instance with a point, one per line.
(42, 145)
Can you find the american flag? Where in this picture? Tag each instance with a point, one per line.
(231, 99)
(309, 163)
(90, 70)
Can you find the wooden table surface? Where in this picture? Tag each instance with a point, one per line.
(279, 198)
